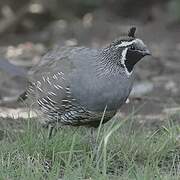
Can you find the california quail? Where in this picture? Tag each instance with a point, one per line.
(73, 85)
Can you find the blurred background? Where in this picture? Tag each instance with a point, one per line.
(29, 28)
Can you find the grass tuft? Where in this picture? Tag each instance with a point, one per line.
(121, 151)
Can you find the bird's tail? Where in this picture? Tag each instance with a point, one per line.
(22, 97)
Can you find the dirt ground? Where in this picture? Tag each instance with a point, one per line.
(157, 89)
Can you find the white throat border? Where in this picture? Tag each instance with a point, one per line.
(123, 59)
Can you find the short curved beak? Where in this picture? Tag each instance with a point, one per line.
(146, 52)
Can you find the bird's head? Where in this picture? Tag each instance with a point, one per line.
(129, 50)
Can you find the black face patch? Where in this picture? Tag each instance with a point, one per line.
(132, 57)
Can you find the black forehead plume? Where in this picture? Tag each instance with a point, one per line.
(129, 38)
(131, 32)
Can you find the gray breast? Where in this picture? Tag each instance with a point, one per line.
(95, 91)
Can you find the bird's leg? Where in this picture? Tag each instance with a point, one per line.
(51, 128)
(93, 141)
(94, 145)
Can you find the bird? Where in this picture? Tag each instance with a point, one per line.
(75, 85)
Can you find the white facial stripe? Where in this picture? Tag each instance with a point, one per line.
(123, 59)
(124, 56)
(126, 43)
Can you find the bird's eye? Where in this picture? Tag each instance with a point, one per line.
(132, 47)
